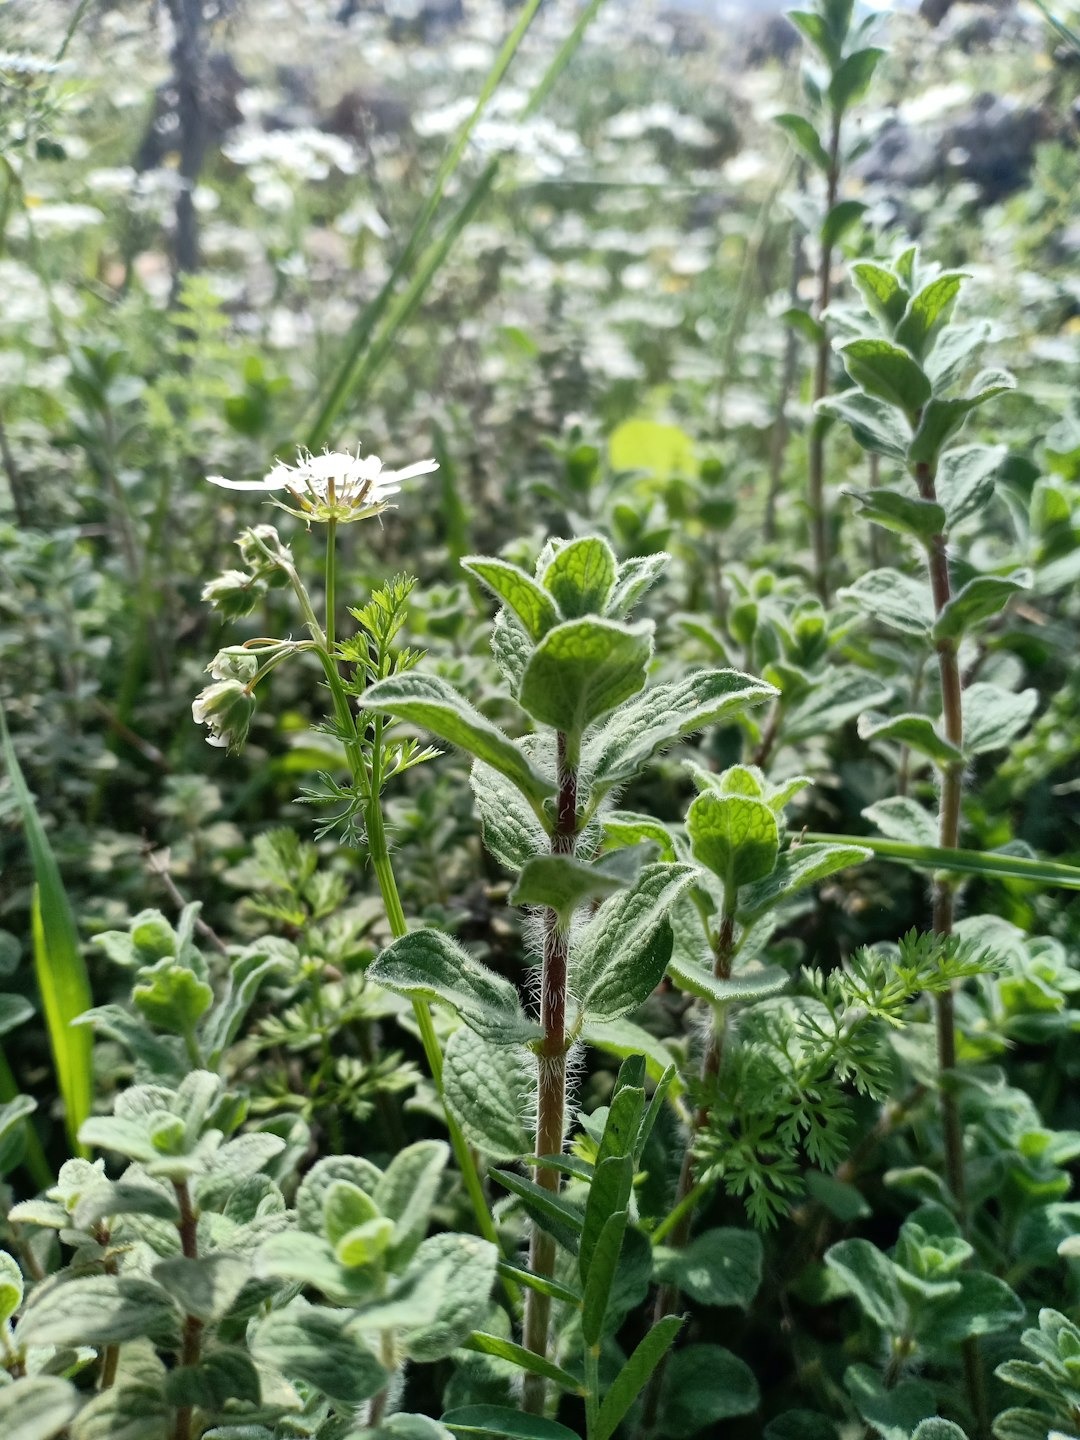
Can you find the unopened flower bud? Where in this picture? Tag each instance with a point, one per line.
(233, 593)
(226, 707)
(234, 663)
(263, 553)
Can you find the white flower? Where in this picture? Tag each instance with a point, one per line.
(334, 485)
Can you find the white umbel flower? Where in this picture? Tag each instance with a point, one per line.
(334, 485)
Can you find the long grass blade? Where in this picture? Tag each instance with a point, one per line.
(964, 862)
(360, 362)
(61, 973)
(33, 1155)
(344, 381)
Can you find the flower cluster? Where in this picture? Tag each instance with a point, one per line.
(334, 486)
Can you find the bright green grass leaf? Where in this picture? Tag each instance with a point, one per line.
(582, 669)
(532, 605)
(987, 863)
(58, 963)
(497, 1420)
(555, 1216)
(524, 1359)
(431, 966)
(431, 703)
(635, 1375)
(581, 577)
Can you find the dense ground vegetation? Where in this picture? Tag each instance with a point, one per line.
(612, 972)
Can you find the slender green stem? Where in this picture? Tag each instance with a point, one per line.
(960, 862)
(592, 1389)
(369, 781)
(331, 583)
(680, 1212)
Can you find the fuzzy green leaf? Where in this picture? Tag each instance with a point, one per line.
(899, 817)
(583, 669)
(806, 139)
(582, 577)
(431, 703)
(804, 864)
(664, 714)
(36, 1407)
(851, 78)
(743, 988)
(941, 419)
(871, 1278)
(562, 884)
(875, 425)
(620, 956)
(488, 1420)
(994, 717)
(320, 1347)
(888, 372)
(406, 1192)
(512, 832)
(489, 1090)
(734, 836)
(965, 479)
(102, 1310)
(470, 1266)
(839, 694)
(927, 312)
(718, 1267)
(839, 221)
(431, 966)
(895, 600)
(882, 290)
(982, 597)
(915, 731)
(532, 605)
(907, 515)
(206, 1288)
(704, 1384)
(636, 576)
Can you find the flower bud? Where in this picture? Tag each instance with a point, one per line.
(233, 593)
(263, 553)
(226, 707)
(234, 663)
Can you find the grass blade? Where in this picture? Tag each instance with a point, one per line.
(964, 862)
(58, 963)
(365, 356)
